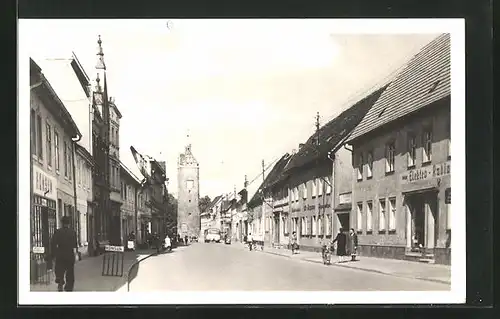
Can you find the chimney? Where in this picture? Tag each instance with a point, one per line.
(301, 145)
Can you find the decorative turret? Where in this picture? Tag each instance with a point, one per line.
(100, 56)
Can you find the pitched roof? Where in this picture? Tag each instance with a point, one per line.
(276, 173)
(272, 175)
(424, 80)
(333, 133)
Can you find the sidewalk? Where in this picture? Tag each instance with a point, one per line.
(393, 267)
(88, 274)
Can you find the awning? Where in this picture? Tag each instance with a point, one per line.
(343, 207)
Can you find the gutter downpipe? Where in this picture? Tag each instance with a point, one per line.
(73, 154)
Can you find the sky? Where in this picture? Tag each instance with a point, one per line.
(246, 90)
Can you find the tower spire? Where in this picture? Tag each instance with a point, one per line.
(100, 56)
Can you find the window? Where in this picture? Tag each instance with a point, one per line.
(448, 208)
(112, 135)
(56, 151)
(303, 226)
(392, 214)
(48, 136)
(314, 191)
(369, 216)
(369, 166)
(65, 158)
(381, 218)
(320, 226)
(39, 137)
(304, 192)
(33, 132)
(360, 167)
(412, 150)
(321, 186)
(328, 230)
(70, 164)
(78, 171)
(314, 225)
(427, 146)
(389, 157)
(329, 185)
(296, 194)
(359, 216)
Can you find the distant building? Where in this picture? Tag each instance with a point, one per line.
(188, 212)
(85, 197)
(144, 216)
(401, 157)
(130, 187)
(210, 218)
(158, 199)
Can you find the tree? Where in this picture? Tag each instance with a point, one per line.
(204, 203)
(171, 217)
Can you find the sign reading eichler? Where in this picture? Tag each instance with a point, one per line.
(426, 173)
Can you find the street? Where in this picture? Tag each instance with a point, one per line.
(205, 267)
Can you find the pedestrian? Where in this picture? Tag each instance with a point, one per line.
(341, 241)
(294, 244)
(168, 243)
(185, 240)
(250, 241)
(64, 248)
(352, 244)
(156, 242)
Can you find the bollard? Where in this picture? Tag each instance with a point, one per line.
(112, 261)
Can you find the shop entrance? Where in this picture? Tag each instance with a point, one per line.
(422, 211)
(343, 221)
(276, 229)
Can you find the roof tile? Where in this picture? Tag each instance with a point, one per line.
(424, 80)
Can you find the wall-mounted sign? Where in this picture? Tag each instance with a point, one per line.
(295, 210)
(114, 248)
(44, 184)
(38, 250)
(426, 173)
(345, 198)
(324, 206)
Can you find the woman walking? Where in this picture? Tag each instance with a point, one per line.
(294, 244)
(352, 244)
(341, 241)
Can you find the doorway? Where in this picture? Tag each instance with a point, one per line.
(422, 228)
(276, 229)
(343, 221)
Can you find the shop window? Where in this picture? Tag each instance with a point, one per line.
(359, 217)
(314, 226)
(390, 150)
(48, 137)
(392, 214)
(412, 150)
(320, 226)
(427, 146)
(369, 166)
(381, 216)
(369, 217)
(303, 226)
(360, 167)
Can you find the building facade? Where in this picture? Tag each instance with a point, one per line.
(117, 220)
(84, 165)
(144, 216)
(52, 132)
(188, 211)
(158, 199)
(401, 157)
(130, 187)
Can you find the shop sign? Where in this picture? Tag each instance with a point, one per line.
(295, 210)
(43, 184)
(426, 173)
(114, 248)
(38, 250)
(324, 206)
(345, 198)
(309, 207)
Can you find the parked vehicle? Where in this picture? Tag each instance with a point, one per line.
(212, 235)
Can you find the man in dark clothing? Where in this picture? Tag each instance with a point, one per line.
(64, 248)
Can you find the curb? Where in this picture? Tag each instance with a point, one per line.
(365, 269)
(124, 281)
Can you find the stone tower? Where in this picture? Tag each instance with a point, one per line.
(188, 179)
